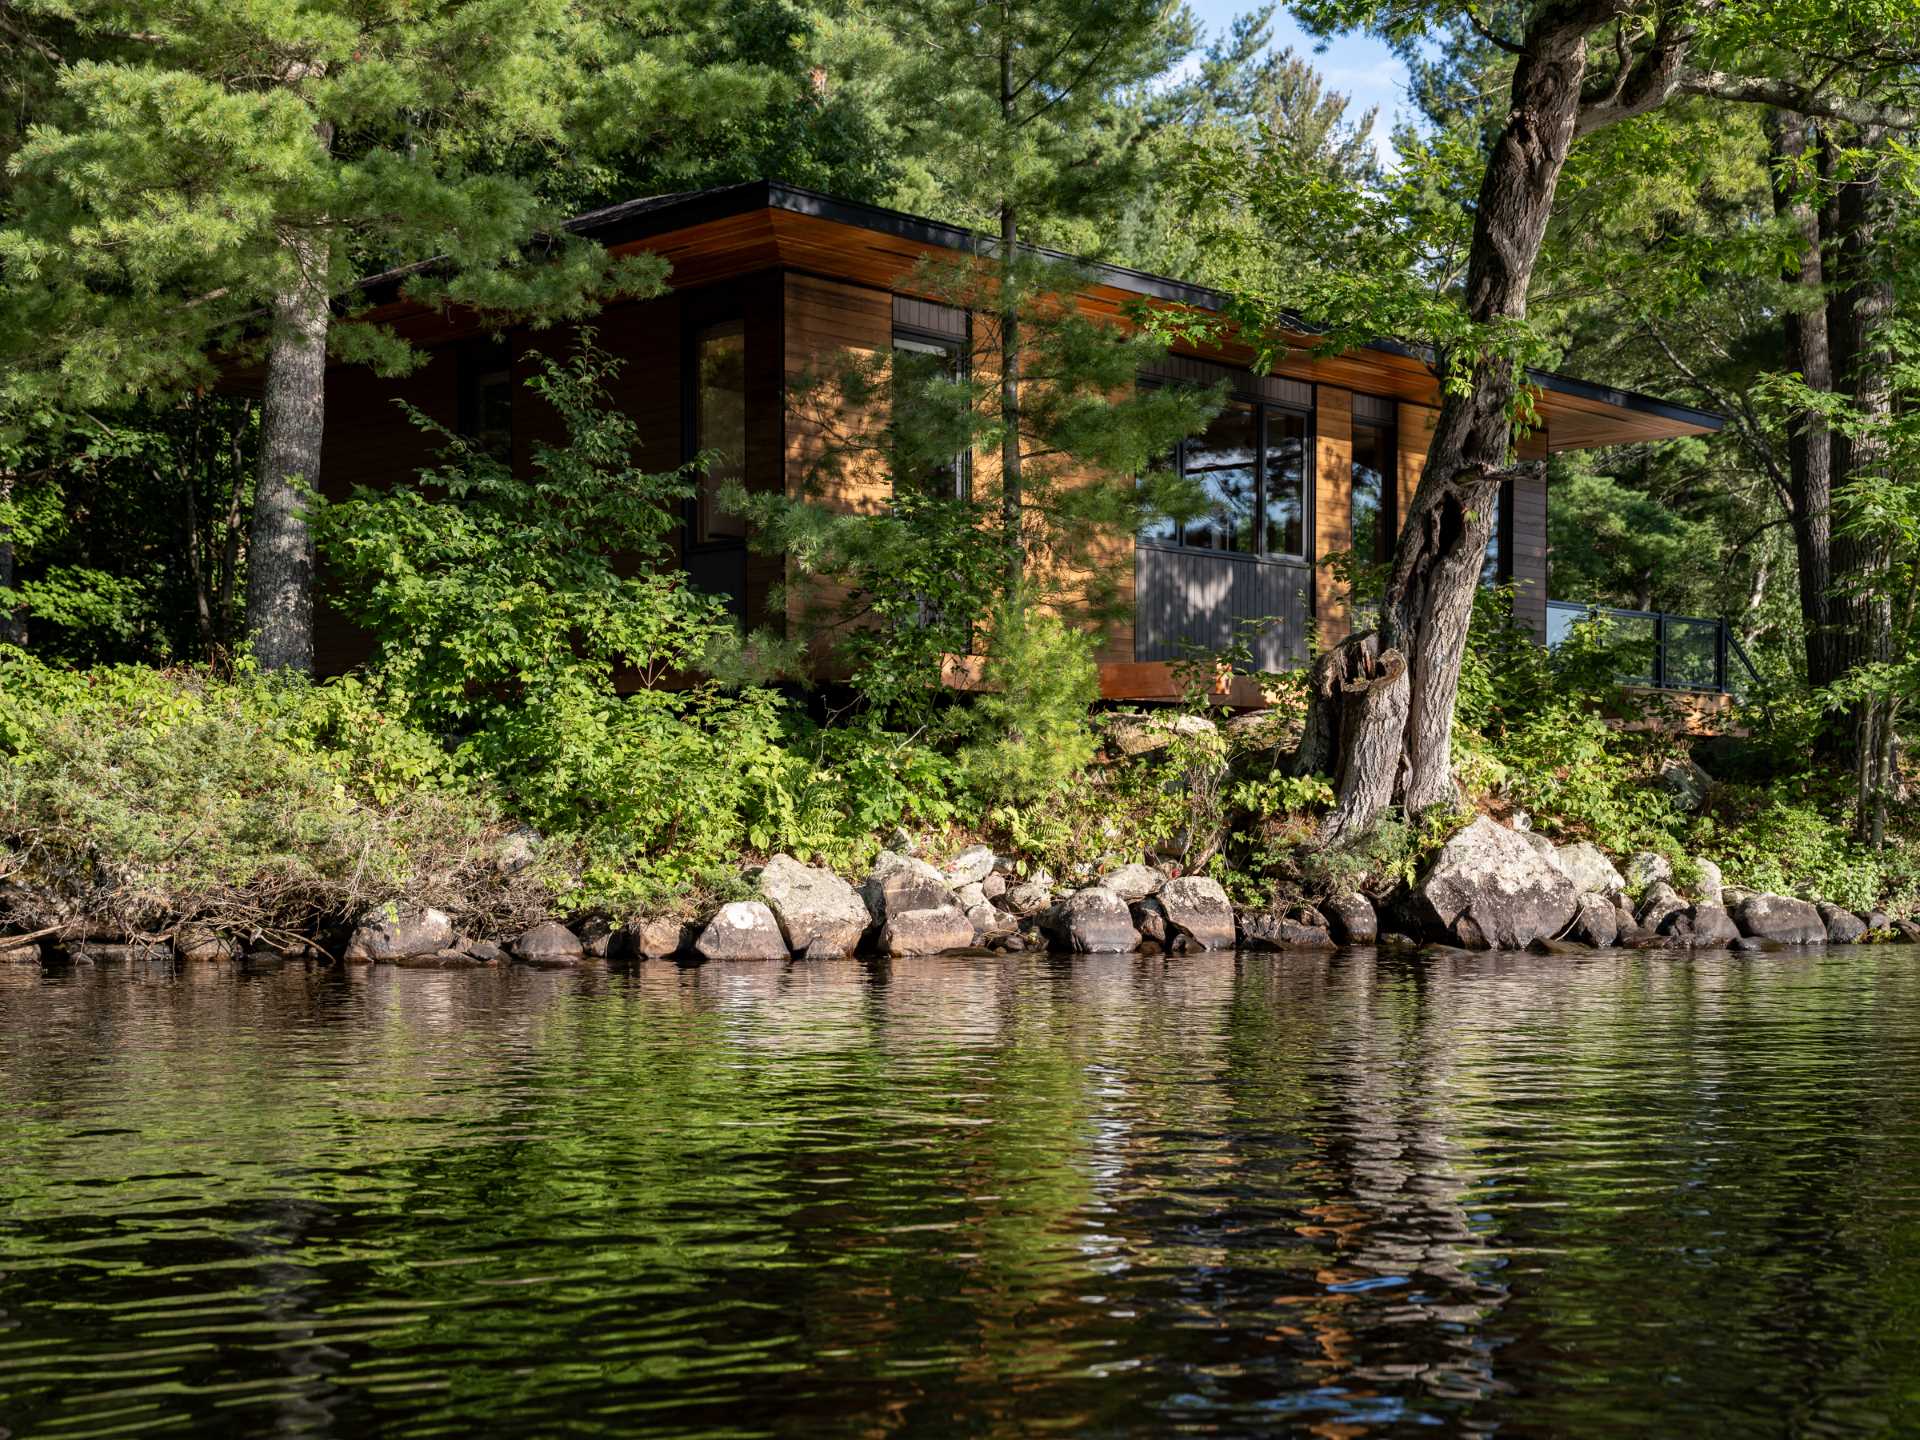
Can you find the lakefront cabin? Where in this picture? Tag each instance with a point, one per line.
(769, 280)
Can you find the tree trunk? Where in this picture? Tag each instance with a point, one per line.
(1810, 460)
(13, 621)
(280, 558)
(1436, 570)
(1011, 507)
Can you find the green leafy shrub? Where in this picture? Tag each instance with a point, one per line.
(1029, 735)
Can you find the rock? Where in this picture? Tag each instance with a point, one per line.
(443, 960)
(1542, 846)
(1545, 945)
(1264, 930)
(1843, 926)
(1702, 927)
(994, 886)
(1647, 867)
(1595, 921)
(548, 943)
(1587, 865)
(744, 930)
(486, 952)
(1353, 920)
(970, 895)
(1748, 943)
(1660, 901)
(1686, 783)
(19, 952)
(1489, 887)
(1094, 921)
(656, 939)
(393, 935)
(1907, 932)
(1198, 910)
(196, 943)
(1712, 884)
(1134, 882)
(898, 883)
(902, 839)
(1028, 898)
(1151, 921)
(820, 914)
(1780, 919)
(970, 866)
(1624, 911)
(926, 932)
(1142, 734)
(988, 922)
(597, 946)
(518, 850)
(1877, 921)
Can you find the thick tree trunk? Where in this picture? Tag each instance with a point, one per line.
(280, 558)
(1792, 139)
(13, 622)
(1436, 569)
(1012, 507)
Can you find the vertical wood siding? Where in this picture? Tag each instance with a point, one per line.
(1194, 597)
(1332, 506)
(1530, 555)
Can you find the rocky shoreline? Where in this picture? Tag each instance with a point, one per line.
(1491, 887)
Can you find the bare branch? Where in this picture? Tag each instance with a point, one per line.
(1802, 99)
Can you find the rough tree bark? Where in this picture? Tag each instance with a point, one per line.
(1011, 499)
(1401, 742)
(280, 557)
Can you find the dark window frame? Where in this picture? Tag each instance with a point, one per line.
(697, 323)
(1502, 536)
(1309, 462)
(960, 348)
(483, 365)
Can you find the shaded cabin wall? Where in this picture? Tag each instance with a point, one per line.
(1528, 532)
(1332, 507)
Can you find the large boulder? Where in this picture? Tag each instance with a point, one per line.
(1712, 883)
(389, 934)
(1198, 912)
(1645, 867)
(988, 922)
(1778, 918)
(926, 932)
(970, 866)
(1595, 922)
(1267, 931)
(1029, 898)
(1702, 927)
(1587, 865)
(1489, 888)
(1660, 901)
(548, 943)
(1094, 921)
(199, 944)
(657, 939)
(1843, 926)
(743, 930)
(1134, 882)
(1353, 921)
(1151, 921)
(1686, 783)
(898, 883)
(1142, 735)
(820, 914)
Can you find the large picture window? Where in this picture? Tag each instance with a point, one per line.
(720, 425)
(1251, 465)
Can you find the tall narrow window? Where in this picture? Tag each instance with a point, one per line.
(1251, 467)
(720, 425)
(1224, 461)
(1373, 492)
(932, 367)
(1498, 566)
(1286, 484)
(486, 397)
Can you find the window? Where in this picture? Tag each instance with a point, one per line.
(720, 426)
(486, 397)
(919, 359)
(1498, 566)
(1374, 457)
(1251, 465)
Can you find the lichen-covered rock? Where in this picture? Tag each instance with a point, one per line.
(994, 886)
(394, 935)
(1778, 918)
(898, 883)
(819, 914)
(656, 939)
(1686, 782)
(988, 922)
(1198, 912)
(969, 895)
(1029, 898)
(1587, 865)
(1701, 927)
(1712, 883)
(743, 930)
(1646, 867)
(1352, 920)
(1843, 926)
(198, 944)
(1595, 922)
(548, 943)
(1660, 901)
(926, 932)
(1093, 921)
(1134, 882)
(485, 951)
(970, 866)
(1263, 930)
(1490, 888)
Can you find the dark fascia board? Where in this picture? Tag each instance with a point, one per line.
(655, 215)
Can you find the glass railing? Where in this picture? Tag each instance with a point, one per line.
(1670, 652)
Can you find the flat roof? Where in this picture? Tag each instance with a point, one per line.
(637, 220)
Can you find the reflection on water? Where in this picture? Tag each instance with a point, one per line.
(1336, 1196)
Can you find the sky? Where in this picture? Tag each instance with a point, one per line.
(1358, 65)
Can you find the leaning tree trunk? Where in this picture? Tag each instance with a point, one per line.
(1390, 743)
(280, 558)
(1012, 500)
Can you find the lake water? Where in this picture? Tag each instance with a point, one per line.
(1341, 1196)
